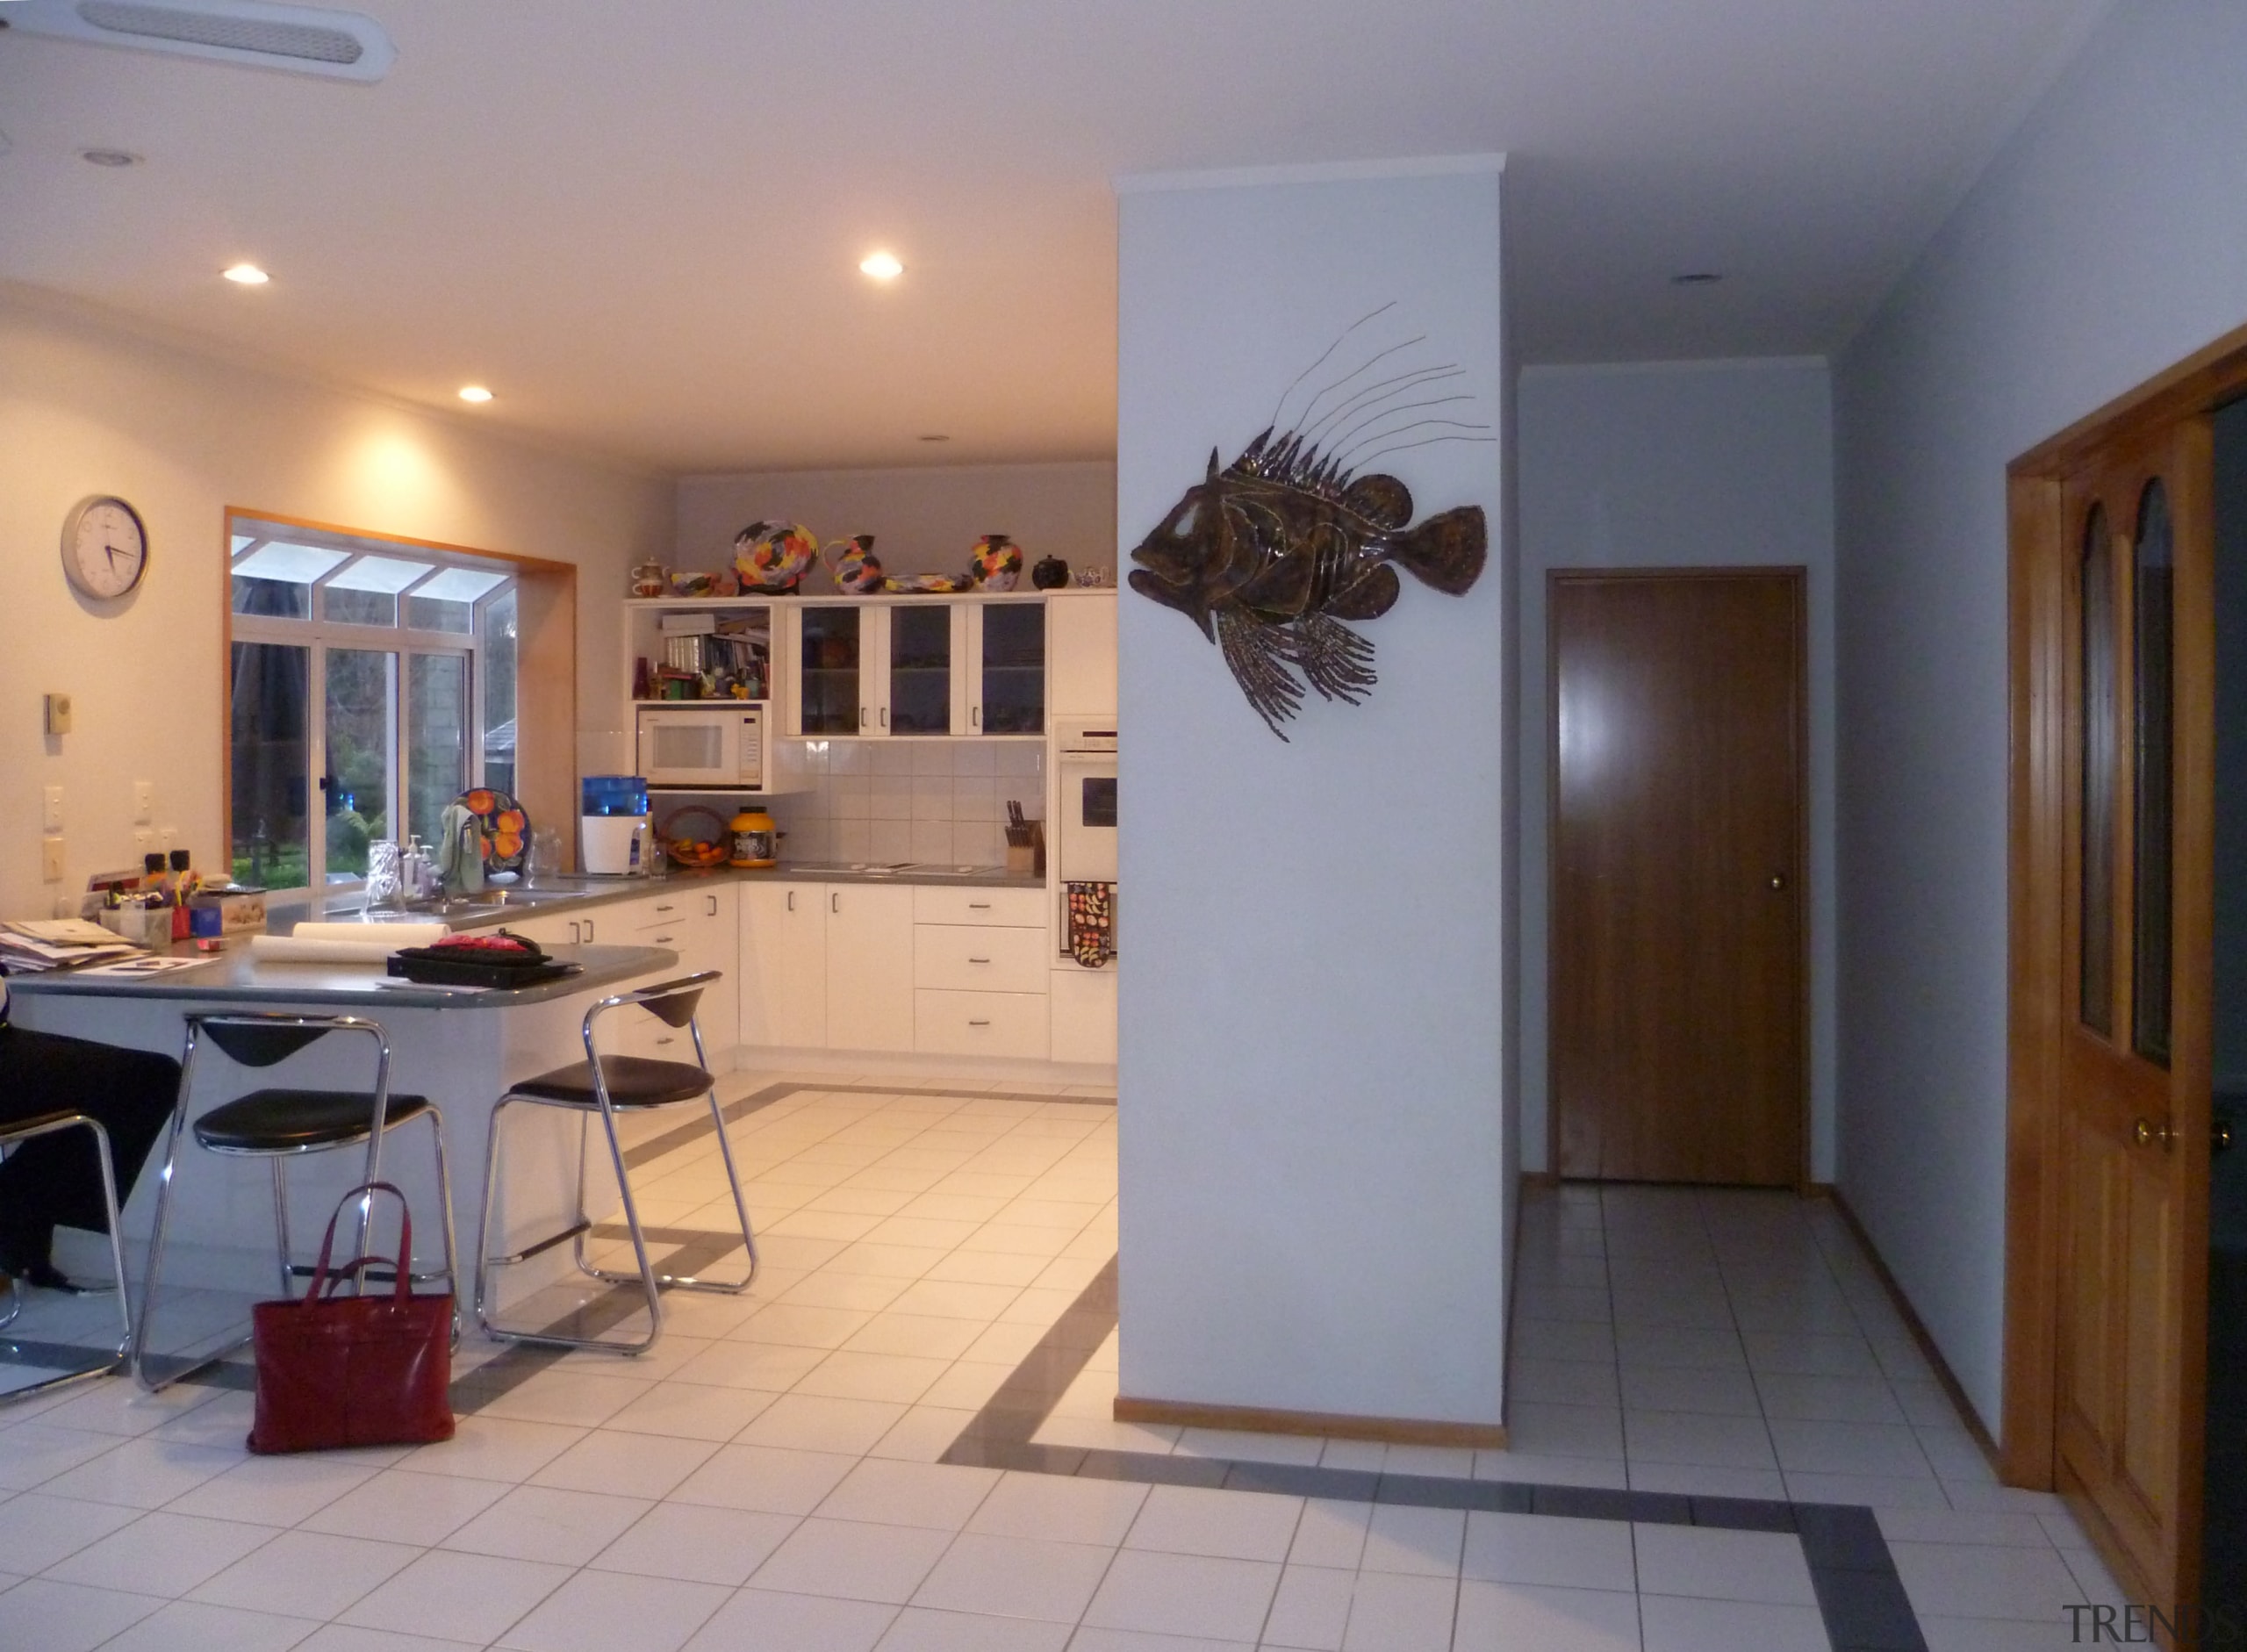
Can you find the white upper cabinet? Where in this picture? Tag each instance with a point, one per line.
(1081, 626)
(915, 668)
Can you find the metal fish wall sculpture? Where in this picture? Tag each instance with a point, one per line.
(1272, 554)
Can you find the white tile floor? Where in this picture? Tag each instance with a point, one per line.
(767, 1480)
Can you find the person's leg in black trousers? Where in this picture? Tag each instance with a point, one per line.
(56, 1180)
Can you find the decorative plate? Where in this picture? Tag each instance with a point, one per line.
(505, 828)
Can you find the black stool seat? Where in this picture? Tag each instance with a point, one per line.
(633, 1081)
(295, 1121)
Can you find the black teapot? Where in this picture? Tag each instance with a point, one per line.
(1050, 574)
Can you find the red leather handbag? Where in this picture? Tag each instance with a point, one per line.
(335, 1371)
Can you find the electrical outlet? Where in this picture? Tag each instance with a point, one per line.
(50, 858)
(144, 842)
(144, 801)
(51, 811)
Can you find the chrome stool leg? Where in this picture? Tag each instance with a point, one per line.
(124, 1353)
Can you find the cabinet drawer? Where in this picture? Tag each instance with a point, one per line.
(980, 1023)
(980, 957)
(1014, 909)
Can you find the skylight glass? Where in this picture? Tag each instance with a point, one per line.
(386, 574)
(461, 585)
(292, 565)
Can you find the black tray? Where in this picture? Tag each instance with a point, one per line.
(461, 972)
(443, 965)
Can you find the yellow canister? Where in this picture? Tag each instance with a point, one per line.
(757, 840)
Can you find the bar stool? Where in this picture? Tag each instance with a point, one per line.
(48, 1125)
(279, 1124)
(609, 1085)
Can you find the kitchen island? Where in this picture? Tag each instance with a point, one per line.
(461, 1049)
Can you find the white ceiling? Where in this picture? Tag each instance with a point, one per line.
(641, 223)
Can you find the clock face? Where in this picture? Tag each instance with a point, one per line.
(105, 548)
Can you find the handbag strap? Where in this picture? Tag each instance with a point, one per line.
(321, 1283)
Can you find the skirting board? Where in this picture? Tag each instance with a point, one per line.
(1395, 1430)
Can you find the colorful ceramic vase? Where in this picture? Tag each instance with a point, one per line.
(854, 566)
(997, 565)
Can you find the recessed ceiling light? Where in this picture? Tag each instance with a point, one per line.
(474, 392)
(1696, 278)
(110, 157)
(882, 266)
(247, 275)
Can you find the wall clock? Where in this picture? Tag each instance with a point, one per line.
(104, 547)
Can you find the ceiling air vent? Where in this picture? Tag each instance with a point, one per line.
(302, 40)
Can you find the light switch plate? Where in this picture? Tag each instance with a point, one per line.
(50, 858)
(144, 801)
(51, 810)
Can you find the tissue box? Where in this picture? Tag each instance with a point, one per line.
(235, 910)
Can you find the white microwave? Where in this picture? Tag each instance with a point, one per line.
(703, 748)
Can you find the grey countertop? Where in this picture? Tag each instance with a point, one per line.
(239, 977)
(573, 893)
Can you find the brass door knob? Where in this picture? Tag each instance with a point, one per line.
(2222, 1134)
(2148, 1135)
(1778, 881)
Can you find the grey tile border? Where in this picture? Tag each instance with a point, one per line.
(1860, 1593)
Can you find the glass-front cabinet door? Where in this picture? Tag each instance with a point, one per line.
(921, 653)
(1007, 644)
(830, 670)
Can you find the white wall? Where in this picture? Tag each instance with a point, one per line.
(2105, 242)
(1710, 464)
(86, 406)
(1314, 1212)
(924, 520)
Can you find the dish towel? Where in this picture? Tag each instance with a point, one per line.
(1092, 924)
(460, 849)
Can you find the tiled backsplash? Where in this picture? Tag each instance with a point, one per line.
(898, 800)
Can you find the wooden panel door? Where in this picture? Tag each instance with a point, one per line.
(1676, 982)
(2136, 844)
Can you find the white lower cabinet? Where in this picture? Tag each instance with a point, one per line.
(869, 967)
(783, 972)
(702, 927)
(1084, 1015)
(980, 1023)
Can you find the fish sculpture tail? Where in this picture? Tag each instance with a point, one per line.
(1446, 551)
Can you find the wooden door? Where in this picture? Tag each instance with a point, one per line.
(2133, 1068)
(1677, 981)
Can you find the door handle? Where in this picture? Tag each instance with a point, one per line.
(588, 929)
(975, 715)
(2147, 1135)
(2222, 1142)
(713, 899)
(885, 716)
(791, 899)
(835, 900)
(1778, 881)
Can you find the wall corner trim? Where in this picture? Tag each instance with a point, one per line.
(1395, 1430)
(1431, 166)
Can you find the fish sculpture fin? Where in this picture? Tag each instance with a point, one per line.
(1258, 656)
(1334, 659)
(1367, 598)
(1447, 550)
(1380, 499)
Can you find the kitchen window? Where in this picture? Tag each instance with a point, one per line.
(371, 682)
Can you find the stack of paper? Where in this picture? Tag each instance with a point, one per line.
(41, 944)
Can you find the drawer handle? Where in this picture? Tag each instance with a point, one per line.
(979, 906)
(588, 929)
(978, 1023)
(664, 940)
(666, 908)
(978, 960)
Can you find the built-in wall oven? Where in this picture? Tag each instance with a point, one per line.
(1085, 846)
